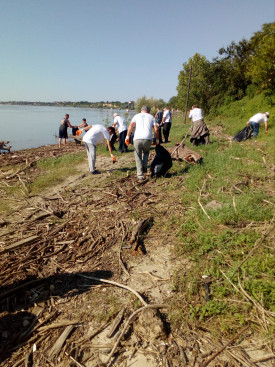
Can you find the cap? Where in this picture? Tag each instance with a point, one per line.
(267, 114)
(115, 114)
(145, 108)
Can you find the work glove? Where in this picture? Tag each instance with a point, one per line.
(113, 158)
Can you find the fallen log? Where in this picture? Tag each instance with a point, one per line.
(54, 352)
(183, 153)
(19, 244)
(141, 226)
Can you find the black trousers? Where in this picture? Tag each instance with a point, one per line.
(166, 130)
(122, 146)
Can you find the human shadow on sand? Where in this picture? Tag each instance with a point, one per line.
(17, 324)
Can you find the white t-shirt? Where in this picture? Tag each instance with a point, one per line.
(121, 124)
(259, 117)
(196, 114)
(144, 125)
(96, 135)
(167, 116)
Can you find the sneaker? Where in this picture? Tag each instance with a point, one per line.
(95, 172)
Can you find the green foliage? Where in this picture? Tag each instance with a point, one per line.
(150, 102)
(246, 68)
(261, 68)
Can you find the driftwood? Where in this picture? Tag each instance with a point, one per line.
(18, 244)
(116, 323)
(54, 352)
(183, 153)
(141, 226)
(118, 285)
(156, 306)
(206, 363)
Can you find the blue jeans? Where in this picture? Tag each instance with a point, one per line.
(255, 127)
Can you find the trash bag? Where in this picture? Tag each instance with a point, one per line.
(244, 134)
(161, 163)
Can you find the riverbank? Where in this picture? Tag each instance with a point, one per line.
(68, 228)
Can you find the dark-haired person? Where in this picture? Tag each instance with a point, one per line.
(96, 134)
(63, 130)
(258, 119)
(200, 133)
(158, 118)
(113, 136)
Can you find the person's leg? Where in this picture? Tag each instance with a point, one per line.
(59, 142)
(255, 127)
(138, 157)
(65, 142)
(123, 137)
(146, 150)
(91, 153)
(121, 143)
(206, 139)
(166, 130)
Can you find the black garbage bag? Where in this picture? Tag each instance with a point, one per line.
(244, 134)
(161, 163)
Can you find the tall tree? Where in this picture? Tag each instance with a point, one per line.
(261, 68)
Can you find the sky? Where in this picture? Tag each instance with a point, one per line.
(114, 50)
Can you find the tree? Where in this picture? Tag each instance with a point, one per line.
(261, 67)
(199, 90)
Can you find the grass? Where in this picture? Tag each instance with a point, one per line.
(54, 171)
(229, 236)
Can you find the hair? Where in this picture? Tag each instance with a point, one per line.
(83, 119)
(112, 129)
(67, 115)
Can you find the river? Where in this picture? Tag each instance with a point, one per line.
(33, 126)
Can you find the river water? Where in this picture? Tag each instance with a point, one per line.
(33, 126)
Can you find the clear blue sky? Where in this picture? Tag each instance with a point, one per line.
(93, 50)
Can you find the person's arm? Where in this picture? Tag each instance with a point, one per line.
(110, 148)
(69, 124)
(129, 132)
(87, 128)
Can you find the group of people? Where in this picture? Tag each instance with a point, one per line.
(164, 121)
(143, 126)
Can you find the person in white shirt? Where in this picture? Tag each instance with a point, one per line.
(258, 119)
(143, 123)
(96, 134)
(200, 132)
(166, 123)
(121, 126)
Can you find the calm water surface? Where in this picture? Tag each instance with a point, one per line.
(33, 126)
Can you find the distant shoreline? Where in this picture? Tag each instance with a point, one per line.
(82, 104)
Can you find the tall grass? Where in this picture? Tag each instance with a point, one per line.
(227, 205)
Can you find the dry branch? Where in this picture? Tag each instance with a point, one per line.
(157, 306)
(19, 244)
(118, 285)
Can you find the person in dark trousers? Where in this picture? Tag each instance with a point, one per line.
(167, 122)
(158, 118)
(63, 130)
(121, 126)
